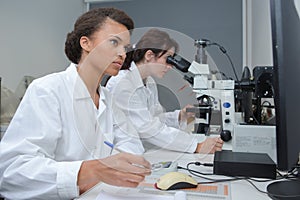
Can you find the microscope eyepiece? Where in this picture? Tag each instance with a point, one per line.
(179, 62)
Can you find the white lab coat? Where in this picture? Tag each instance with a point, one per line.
(140, 104)
(55, 128)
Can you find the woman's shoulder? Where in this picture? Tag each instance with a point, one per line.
(119, 80)
(50, 80)
(56, 82)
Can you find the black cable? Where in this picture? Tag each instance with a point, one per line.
(222, 73)
(264, 192)
(223, 50)
(248, 179)
(268, 102)
(292, 173)
(199, 163)
(196, 173)
(193, 171)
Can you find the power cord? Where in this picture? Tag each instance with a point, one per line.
(202, 175)
(199, 163)
(292, 173)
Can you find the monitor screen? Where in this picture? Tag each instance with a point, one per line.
(285, 23)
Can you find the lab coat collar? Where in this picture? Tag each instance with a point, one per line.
(80, 89)
(136, 76)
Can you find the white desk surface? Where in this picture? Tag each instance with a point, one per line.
(239, 189)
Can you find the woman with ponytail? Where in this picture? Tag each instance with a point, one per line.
(135, 92)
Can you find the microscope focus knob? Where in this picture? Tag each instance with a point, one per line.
(227, 121)
(226, 135)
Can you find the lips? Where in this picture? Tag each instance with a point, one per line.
(118, 63)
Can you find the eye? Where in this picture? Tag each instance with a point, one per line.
(114, 42)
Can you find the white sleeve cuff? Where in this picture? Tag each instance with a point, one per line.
(172, 119)
(193, 146)
(67, 174)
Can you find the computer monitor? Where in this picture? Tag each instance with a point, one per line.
(285, 24)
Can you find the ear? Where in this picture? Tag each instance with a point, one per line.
(85, 43)
(149, 55)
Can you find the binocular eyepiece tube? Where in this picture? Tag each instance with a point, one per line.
(179, 62)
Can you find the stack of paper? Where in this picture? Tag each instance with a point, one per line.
(180, 195)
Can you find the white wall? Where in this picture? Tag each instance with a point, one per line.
(257, 43)
(33, 34)
(32, 38)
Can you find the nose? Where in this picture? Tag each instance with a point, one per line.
(169, 66)
(122, 54)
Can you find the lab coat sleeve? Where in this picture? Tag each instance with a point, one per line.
(168, 118)
(126, 137)
(28, 167)
(150, 127)
(171, 119)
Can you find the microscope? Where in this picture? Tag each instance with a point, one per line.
(254, 130)
(215, 97)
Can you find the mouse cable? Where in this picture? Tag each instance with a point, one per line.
(196, 173)
(248, 179)
(211, 181)
(203, 175)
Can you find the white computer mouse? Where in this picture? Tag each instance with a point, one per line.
(175, 180)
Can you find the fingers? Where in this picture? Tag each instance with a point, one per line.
(127, 162)
(218, 144)
(122, 169)
(138, 160)
(124, 179)
(189, 106)
(184, 115)
(129, 179)
(211, 145)
(134, 179)
(137, 164)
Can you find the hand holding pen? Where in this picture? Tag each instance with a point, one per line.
(122, 169)
(113, 147)
(154, 167)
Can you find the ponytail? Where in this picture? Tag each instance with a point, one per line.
(128, 59)
(159, 42)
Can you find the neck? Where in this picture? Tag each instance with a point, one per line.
(91, 78)
(143, 69)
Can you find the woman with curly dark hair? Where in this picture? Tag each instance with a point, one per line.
(55, 146)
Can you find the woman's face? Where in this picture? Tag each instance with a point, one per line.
(159, 66)
(109, 46)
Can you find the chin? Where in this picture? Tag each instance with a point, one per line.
(161, 76)
(113, 73)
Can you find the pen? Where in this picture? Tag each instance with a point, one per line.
(112, 146)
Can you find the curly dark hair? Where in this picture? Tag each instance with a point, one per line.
(89, 23)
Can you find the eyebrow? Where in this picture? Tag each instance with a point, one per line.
(117, 37)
